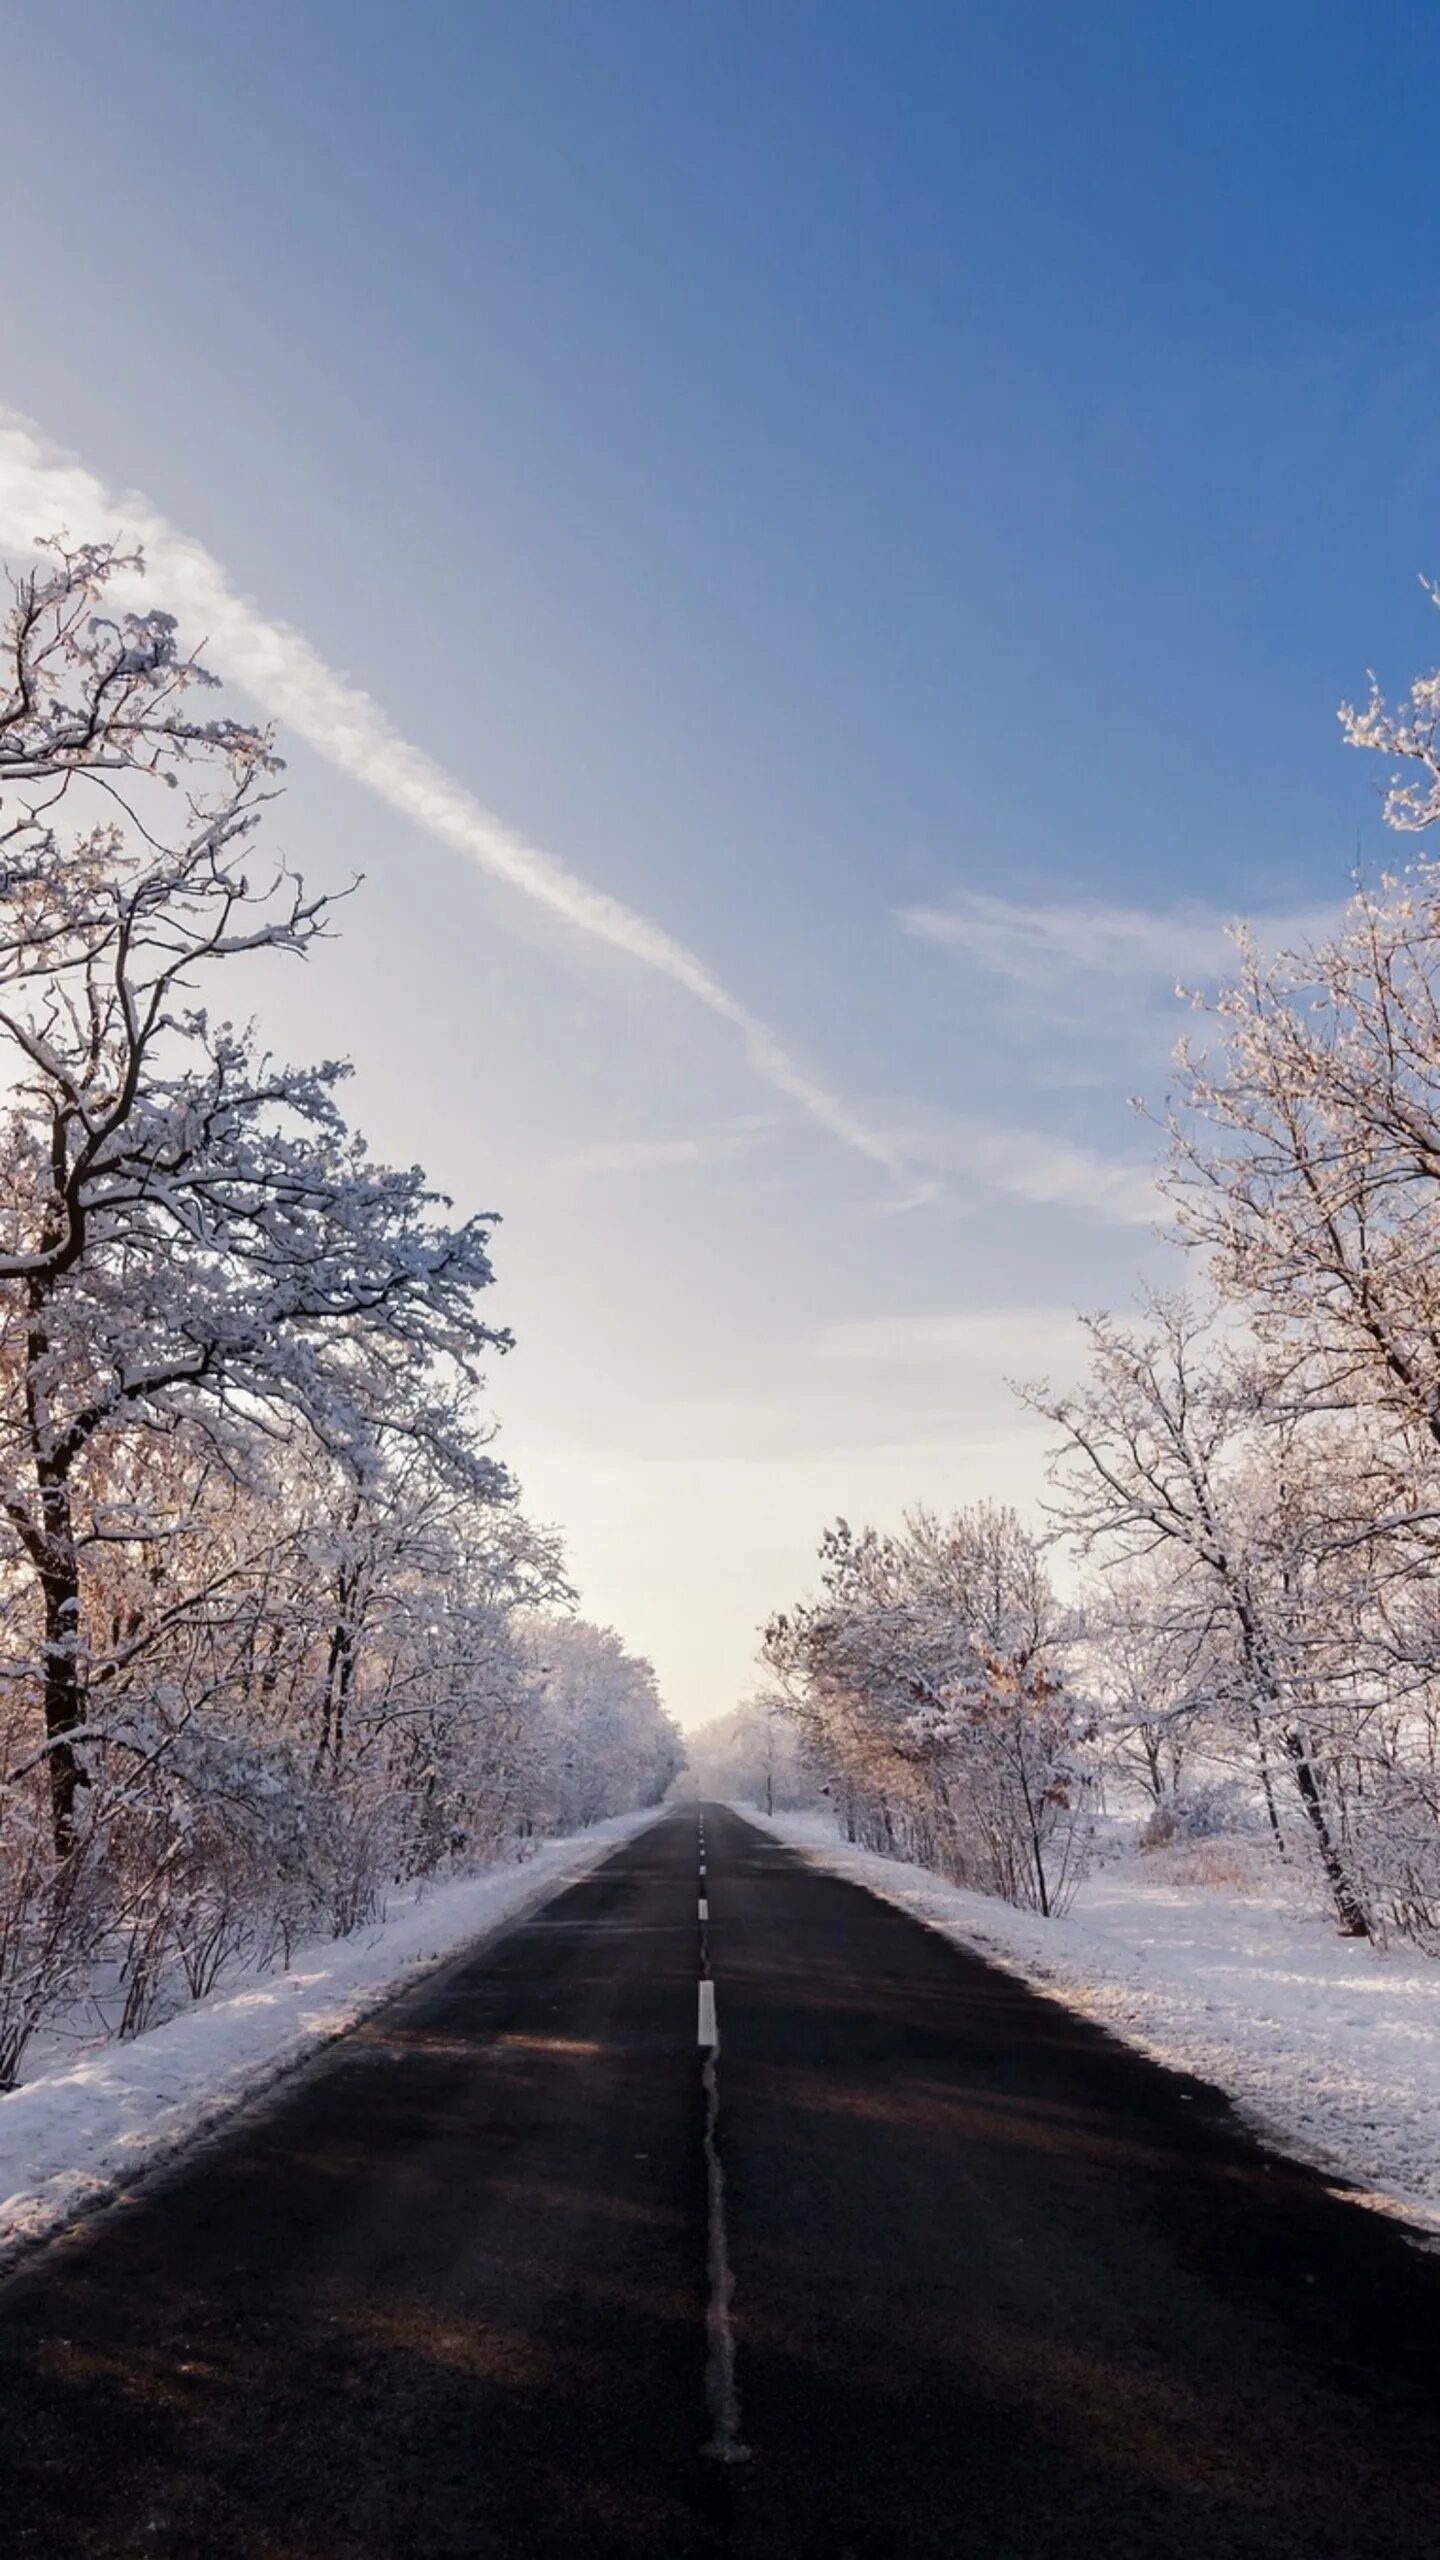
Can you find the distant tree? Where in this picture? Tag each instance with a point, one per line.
(753, 1755)
(603, 1740)
(924, 1680)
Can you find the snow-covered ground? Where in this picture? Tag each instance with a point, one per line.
(1330, 2048)
(71, 2137)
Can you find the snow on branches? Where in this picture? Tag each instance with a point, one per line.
(263, 1584)
(924, 1681)
(1259, 1477)
(1250, 1475)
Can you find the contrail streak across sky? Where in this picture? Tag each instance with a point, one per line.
(43, 490)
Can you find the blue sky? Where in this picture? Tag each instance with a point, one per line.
(894, 495)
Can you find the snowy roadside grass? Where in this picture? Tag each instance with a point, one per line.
(70, 2139)
(1329, 2048)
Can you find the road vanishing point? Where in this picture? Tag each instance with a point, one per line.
(726, 2212)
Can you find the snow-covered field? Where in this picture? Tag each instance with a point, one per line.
(1330, 2048)
(71, 2137)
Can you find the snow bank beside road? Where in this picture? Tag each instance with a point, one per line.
(71, 2138)
(1330, 2049)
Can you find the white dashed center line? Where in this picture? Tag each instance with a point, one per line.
(725, 2443)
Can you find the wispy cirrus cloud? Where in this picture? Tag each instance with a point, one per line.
(662, 1155)
(42, 490)
(1051, 1170)
(1040, 944)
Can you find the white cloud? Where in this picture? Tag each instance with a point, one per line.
(1055, 1172)
(1039, 945)
(42, 489)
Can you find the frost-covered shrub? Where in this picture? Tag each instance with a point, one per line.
(53, 1919)
(1228, 1863)
(1391, 1813)
(209, 1838)
(1212, 1810)
(353, 1850)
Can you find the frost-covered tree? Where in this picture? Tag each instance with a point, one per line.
(191, 1237)
(1171, 1448)
(925, 1683)
(603, 1741)
(753, 1756)
(1145, 1649)
(1305, 1158)
(1305, 1168)
(264, 1588)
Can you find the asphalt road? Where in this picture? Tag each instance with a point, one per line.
(512, 2269)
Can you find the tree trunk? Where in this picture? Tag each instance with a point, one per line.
(339, 1676)
(50, 1546)
(1353, 1923)
(61, 1681)
(1272, 1811)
